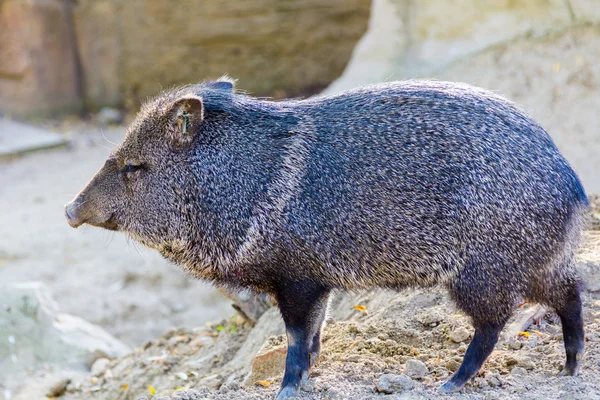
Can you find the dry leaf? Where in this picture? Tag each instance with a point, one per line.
(556, 67)
(537, 333)
(360, 308)
(124, 387)
(263, 383)
(151, 390)
(524, 334)
(180, 338)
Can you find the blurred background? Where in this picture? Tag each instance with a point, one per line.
(73, 72)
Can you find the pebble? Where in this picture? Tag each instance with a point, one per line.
(430, 317)
(519, 371)
(459, 335)
(58, 388)
(452, 365)
(392, 383)
(494, 380)
(415, 369)
(99, 366)
(109, 116)
(515, 344)
(308, 385)
(525, 362)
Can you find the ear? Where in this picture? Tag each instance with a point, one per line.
(226, 86)
(184, 118)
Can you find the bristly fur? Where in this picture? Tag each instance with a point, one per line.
(414, 183)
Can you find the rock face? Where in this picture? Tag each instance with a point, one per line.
(129, 50)
(410, 39)
(38, 71)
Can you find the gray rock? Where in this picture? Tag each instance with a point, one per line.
(415, 369)
(494, 380)
(99, 366)
(392, 383)
(34, 332)
(590, 275)
(58, 388)
(514, 344)
(518, 371)
(109, 116)
(459, 334)
(525, 362)
(308, 385)
(430, 317)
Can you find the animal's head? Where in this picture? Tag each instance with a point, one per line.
(149, 187)
(189, 174)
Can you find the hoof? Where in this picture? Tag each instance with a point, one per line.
(287, 392)
(569, 371)
(449, 387)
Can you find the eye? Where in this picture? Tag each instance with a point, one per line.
(130, 167)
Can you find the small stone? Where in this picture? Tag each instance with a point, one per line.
(459, 335)
(268, 362)
(392, 383)
(533, 341)
(494, 380)
(415, 369)
(58, 388)
(308, 385)
(518, 371)
(430, 317)
(480, 383)
(452, 365)
(525, 362)
(109, 116)
(515, 344)
(99, 366)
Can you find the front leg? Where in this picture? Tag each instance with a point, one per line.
(302, 305)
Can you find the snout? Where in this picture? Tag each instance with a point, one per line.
(83, 211)
(73, 214)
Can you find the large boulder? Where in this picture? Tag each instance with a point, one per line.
(34, 333)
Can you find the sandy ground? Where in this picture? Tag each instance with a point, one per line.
(92, 273)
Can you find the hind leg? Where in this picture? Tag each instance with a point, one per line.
(489, 301)
(484, 340)
(566, 301)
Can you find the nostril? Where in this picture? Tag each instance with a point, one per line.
(67, 213)
(71, 214)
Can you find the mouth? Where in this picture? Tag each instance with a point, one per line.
(73, 222)
(109, 223)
